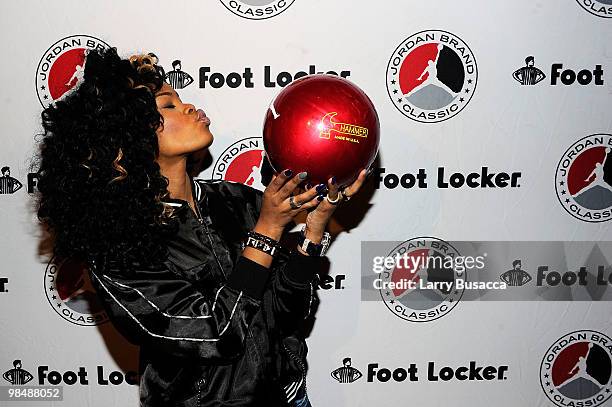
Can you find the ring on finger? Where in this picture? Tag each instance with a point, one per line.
(292, 202)
(346, 196)
(334, 201)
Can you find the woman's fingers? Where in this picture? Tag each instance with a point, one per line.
(283, 185)
(310, 203)
(309, 194)
(290, 185)
(356, 185)
(332, 188)
(278, 180)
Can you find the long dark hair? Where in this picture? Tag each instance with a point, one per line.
(100, 189)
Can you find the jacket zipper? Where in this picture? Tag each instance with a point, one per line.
(300, 364)
(200, 384)
(201, 222)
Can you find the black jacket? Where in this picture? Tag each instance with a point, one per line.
(214, 328)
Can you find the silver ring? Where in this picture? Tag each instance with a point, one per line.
(292, 203)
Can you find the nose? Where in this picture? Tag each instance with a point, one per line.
(189, 108)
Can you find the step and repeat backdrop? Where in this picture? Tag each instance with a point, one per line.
(496, 137)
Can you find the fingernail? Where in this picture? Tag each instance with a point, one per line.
(320, 187)
(320, 198)
(333, 180)
(302, 175)
(288, 172)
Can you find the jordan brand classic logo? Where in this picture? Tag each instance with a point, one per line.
(414, 302)
(576, 369)
(71, 294)
(583, 178)
(62, 66)
(431, 76)
(241, 162)
(599, 8)
(257, 9)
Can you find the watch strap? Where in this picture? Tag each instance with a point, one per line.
(312, 248)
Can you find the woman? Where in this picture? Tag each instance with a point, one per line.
(190, 270)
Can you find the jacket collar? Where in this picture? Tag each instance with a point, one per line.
(196, 190)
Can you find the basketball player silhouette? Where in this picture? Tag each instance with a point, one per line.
(255, 174)
(581, 370)
(432, 76)
(598, 173)
(78, 74)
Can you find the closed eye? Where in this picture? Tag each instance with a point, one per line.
(169, 107)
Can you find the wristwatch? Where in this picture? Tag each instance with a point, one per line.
(312, 248)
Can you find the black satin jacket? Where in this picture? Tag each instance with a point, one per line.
(214, 328)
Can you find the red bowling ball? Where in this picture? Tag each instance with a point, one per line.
(322, 124)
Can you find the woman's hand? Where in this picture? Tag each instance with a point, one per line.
(317, 219)
(276, 210)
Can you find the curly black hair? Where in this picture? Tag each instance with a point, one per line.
(100, 189)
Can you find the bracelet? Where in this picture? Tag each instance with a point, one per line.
(265, 238)
(261, 242)
(312, 248)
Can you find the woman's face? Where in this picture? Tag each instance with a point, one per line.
(185, 130)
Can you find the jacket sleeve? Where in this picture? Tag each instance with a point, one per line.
(160, 309)
(293, 287)
(293, 284)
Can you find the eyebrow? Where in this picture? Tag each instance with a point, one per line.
(166, 94)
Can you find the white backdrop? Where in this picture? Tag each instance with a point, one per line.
(505, 126)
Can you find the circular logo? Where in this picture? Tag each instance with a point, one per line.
(431, 76)
(424, 284)
(576, 369)
(583, 179)
(62, 66)
(257, 9)
(600, 8)
(241, 162)
(71, 294)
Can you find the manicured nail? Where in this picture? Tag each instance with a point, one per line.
(320, 187)
(320, 198)
(308, 186)
(333, 180)
(302, 175)
(288, 172)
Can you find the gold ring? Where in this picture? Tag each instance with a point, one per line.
(334, 201)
